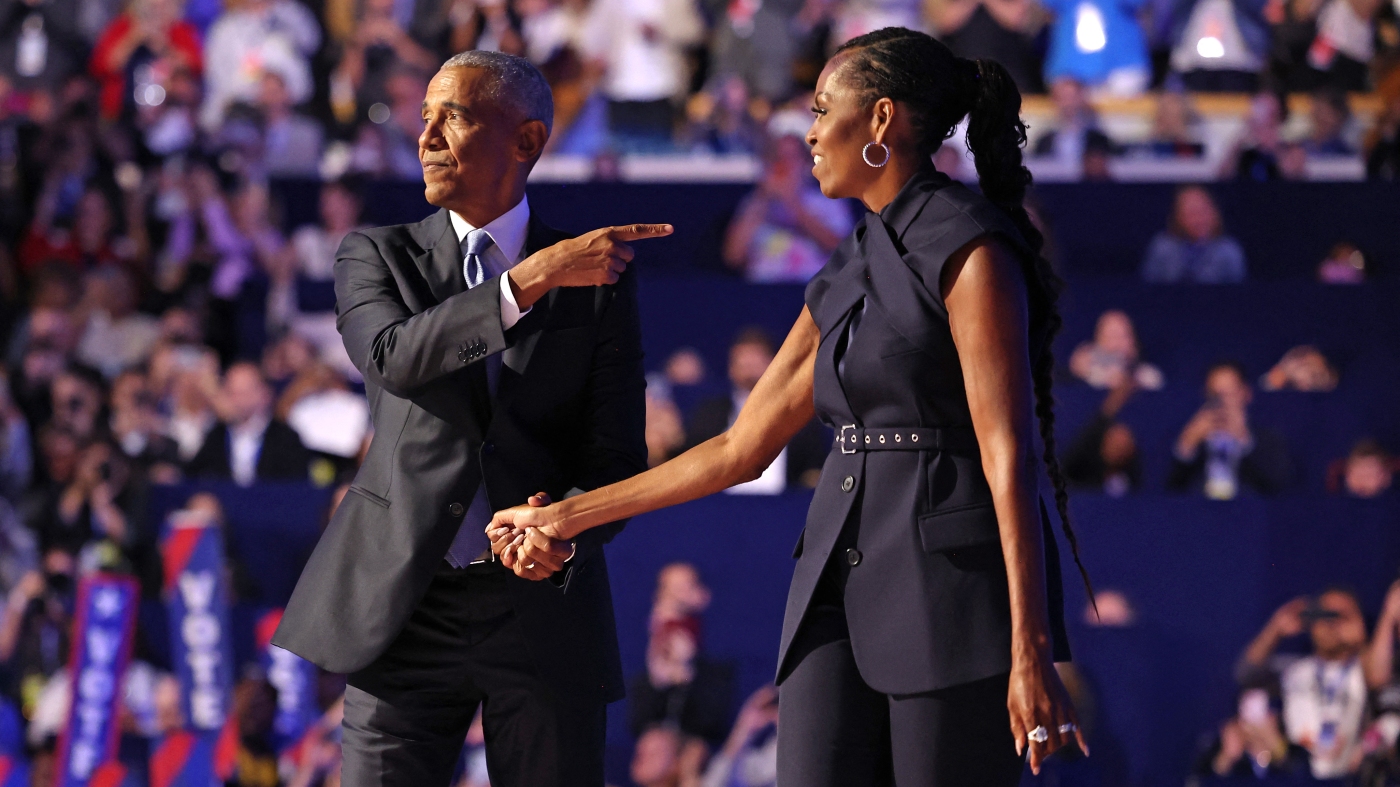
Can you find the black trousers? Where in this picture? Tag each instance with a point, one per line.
(836, 731)
(406, 715)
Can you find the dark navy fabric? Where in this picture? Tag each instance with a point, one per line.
(927, 603)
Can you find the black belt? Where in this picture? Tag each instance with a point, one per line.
(850, 439)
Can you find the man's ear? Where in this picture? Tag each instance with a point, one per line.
(530, 140)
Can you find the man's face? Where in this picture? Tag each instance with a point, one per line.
(245, 394)
(747, 363)
(470, 144)
(1367, 476)
(1341, 635)
(1226, 386)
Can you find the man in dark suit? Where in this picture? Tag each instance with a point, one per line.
(249, 444)
(501, 359)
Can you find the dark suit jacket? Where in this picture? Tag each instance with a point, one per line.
(927, 604)
(282, 458)
(806, 452)
(568, 413)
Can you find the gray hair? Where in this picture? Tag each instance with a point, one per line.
(515, 82)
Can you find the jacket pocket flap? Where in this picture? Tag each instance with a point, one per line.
(370, 496)
(959, 528)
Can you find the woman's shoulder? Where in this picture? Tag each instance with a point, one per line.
(955, 216)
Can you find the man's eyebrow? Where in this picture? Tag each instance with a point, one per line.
(452, 105)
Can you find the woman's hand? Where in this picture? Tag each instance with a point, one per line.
(1037, 698)
(522, 546)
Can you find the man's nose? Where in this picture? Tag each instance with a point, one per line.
(431, 138)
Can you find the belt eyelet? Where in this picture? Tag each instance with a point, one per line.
(897, 438)
(882, 439)
(914, 437)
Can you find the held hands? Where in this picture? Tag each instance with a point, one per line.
(1040, 706)
(595, 258)
(522, 546)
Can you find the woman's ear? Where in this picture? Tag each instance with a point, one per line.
(882, 116)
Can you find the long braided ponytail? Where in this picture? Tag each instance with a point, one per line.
(940, 89)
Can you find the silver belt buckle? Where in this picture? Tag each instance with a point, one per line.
(842, 439)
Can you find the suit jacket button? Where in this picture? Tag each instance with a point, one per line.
(462, 356)
(456, 509)
(853, 557)
(848, 483)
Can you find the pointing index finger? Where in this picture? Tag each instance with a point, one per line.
(639, 231)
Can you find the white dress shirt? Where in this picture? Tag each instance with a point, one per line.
(245, 446)
(509, 231)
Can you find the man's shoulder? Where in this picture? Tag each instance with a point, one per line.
(416, 236)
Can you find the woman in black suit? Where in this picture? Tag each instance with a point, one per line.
(925, 614)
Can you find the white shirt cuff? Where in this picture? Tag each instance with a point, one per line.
(510, 310)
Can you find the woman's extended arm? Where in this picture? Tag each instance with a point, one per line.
(985, 292)
(780, 405)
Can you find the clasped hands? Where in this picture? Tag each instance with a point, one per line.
(522, 538)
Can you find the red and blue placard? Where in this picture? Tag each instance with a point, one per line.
(104, 627)
(195, 759)
(295, 680)
(201, 647)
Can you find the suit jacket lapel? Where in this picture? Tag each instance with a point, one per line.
(441, 259)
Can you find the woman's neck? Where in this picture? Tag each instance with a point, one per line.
(891, 180)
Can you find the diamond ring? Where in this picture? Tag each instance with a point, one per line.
(1039, 734)
(532, 565)
(1067, 728)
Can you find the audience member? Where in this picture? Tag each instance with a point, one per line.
(1328, 116)
(115, 336)
(1382, 145)
(785, 230)
(249, 39)
(1341, 53)
(1219, 45)
(1104, 455)
(665, 757)
(291, 142)
(756, 41)
(1257, 154)
(16, 447)
(248, 444)
(149, 35)
(665, 433)
(1345, 264)
(1100, 44)
(681, 687)
(186, 379)
(1176, 127)
(385, 40)
(998, 29)
(78, 395)
(749, 757)
(797, 465)
(136, 428)
(1219, 452)
(1324, 693)
(719, 119)
(1251, 745)
(1194, 248)
(1112, 357)
(1076, 125)
(1303, 368)
(1366, 472)
(1379, 659)
(330, 419)
(639, 47)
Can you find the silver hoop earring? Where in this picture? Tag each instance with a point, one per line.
(865, 154)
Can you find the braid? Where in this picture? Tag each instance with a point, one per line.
(1042, 376)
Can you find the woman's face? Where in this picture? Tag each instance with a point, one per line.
(839, 131)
